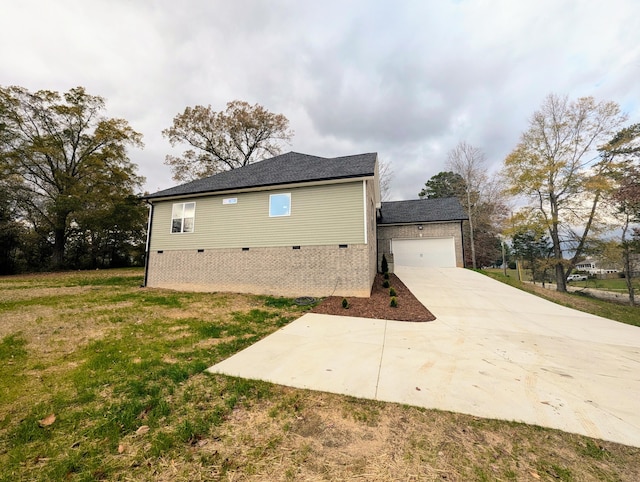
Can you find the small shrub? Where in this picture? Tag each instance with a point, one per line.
(385, 284)
(385, 265)
(385, 276)
(394, 302)
(345, 303)
(392, 292)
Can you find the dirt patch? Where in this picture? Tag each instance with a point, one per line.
(378, 305)
(325, 437)
(52, 331)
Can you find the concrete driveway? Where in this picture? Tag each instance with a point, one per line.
(493, 352)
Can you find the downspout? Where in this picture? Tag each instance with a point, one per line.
(148, 247)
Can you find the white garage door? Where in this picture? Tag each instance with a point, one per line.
(426, 252)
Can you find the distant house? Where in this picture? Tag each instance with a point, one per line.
(595, 267)
(291, 225)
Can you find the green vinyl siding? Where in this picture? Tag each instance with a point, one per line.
(320, 215)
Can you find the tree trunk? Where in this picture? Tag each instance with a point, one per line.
(628, 275)
(57, 258)
(626, 259)
(473, 243)
(532, 263)
(585, 233)
(561, 283)
(59, 239)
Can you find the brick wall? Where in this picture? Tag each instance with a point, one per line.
(283, 271)
(411, 231)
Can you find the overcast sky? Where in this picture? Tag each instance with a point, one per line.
(405, 79)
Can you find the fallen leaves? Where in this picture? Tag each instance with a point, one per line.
(142, 429)
(47, 421)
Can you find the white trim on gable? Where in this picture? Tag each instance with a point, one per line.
(271, 187)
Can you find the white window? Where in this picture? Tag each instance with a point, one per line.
(182, 217)
(280, 205)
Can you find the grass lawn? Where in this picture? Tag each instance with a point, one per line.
(613, 311)
(614, 284)
(103, 380)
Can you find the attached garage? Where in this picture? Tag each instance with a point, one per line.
(424, 252)
(421, 232)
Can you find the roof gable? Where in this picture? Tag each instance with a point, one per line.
(421, 211)
(289, 168)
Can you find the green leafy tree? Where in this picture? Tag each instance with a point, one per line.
(12, 233)
(627, 201)
(60, 156)
(109, 234)
(444, 184)
(225, 140)
(624, 144)
(484, 204)
(489, 215)
(533, 246)
(556, 167)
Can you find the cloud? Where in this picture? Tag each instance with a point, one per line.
(406, 79)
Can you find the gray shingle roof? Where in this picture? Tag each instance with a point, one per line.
(288, 168)
(421, 211)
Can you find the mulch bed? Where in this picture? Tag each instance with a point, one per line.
(377, 306)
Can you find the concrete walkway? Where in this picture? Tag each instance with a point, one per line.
(494, 351)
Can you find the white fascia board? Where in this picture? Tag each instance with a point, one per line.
(271, 187)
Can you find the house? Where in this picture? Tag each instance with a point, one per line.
(596, 267)
(292, 225)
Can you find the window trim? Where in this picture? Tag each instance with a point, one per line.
(182, 219)
(288, 213)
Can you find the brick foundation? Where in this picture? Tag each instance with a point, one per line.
(282, 271)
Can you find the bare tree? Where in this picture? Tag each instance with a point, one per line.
(468, 162)
(385, 171)
(221, 141)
